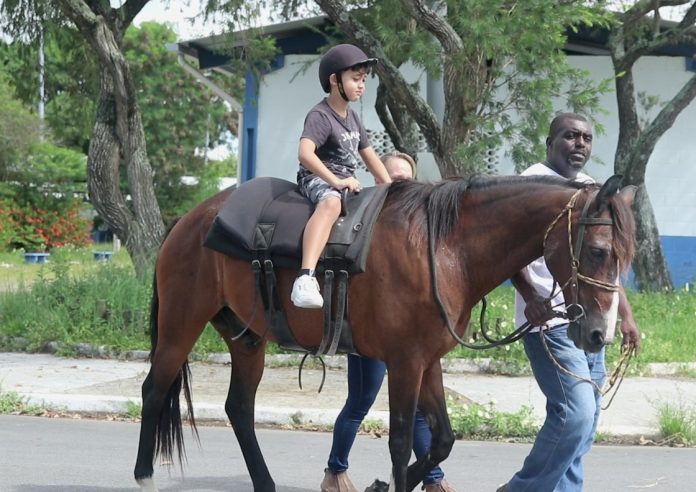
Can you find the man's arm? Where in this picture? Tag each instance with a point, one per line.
(538, 309)
(629, 329)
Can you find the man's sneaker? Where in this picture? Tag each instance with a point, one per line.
(305, 293)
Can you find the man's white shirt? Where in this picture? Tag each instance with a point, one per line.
(539, 274)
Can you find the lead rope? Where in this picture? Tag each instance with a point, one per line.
(614, 379)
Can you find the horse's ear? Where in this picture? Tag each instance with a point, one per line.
(627, 194)
(608, 190)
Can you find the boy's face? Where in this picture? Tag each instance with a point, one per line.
(353, 82)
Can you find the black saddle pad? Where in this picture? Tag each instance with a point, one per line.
(265, 217)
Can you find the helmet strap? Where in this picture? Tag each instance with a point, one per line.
(339, 83)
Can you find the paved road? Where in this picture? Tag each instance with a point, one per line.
(42, 455)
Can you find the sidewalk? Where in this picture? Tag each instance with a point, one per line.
(106, 385)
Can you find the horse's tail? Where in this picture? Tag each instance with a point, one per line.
(169, 427)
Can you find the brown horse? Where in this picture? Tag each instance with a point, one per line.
(437, 250)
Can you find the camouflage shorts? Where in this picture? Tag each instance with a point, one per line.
(316, 189)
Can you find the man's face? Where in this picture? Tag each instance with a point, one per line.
(569, 149)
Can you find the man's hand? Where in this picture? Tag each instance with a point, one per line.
(538, 310)
(630, 334)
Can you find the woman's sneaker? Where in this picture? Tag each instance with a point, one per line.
(305, 293)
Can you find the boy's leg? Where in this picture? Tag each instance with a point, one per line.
(305, 291)
(317, 230)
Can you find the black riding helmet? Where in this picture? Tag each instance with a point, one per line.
(338, 59)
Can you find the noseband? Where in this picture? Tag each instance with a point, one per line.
(575, 311)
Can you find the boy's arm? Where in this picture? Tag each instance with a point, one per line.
(311, 161)
(375, 165)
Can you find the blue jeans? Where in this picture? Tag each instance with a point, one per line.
(365, 378)
(572, 409)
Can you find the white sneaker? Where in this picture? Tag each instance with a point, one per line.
(305, 293)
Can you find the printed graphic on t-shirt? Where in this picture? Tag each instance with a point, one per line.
(338, 140)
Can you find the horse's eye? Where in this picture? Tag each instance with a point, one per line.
(598, 253)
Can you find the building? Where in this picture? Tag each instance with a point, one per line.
(274, 109)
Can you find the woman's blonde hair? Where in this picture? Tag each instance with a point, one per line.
(400, 155)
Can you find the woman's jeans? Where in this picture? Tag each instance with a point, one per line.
(572, 408)
(365, 378)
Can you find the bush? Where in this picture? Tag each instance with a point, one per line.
(38, 229)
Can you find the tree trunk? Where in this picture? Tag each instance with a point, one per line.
(649, 266)
(118, 137)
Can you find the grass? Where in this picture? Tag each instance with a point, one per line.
(12, 403)
(677, 424)
(484, 422)
(74, 299)
(665, 321)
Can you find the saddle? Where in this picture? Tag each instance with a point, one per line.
(263, 220)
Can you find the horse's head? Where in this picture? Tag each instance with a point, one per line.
(587, 257)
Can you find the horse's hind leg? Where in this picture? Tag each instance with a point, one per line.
(161, 426)
(432, 404)
(247, 355)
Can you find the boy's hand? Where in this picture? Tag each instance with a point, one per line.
(351, 183)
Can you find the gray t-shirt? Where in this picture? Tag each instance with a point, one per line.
(338, 140)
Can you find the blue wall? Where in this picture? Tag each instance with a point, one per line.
(680, 253)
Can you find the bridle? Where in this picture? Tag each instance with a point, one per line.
(574, 312)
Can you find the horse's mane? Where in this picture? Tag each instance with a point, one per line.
(440, 201)
(624, 244)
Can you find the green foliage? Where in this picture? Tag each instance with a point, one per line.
(42, 205)
(472, 421)
(508, 74)
(208, 183)
(179, 115)
(133, 410)
(19, 130)
(61, 307)
(12, 403)
(677, 423)
(70, 81)
(664, 319)
(37, 229)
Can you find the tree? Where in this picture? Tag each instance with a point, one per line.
(501, 65)
(180, 116)
(19, 130)
(637, 32)
(118, 139)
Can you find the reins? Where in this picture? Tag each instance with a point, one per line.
(573, 313)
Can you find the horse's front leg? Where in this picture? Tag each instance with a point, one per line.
(404, 384)
(432, 405)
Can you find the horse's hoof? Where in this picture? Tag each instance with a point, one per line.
(147, 484)
(378, 486)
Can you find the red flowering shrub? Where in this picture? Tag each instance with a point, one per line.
(37, 229)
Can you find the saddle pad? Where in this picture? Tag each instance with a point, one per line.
(265, 217)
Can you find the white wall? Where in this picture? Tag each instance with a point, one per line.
(671, 171)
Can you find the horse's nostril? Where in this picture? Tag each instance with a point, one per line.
(597, 338)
